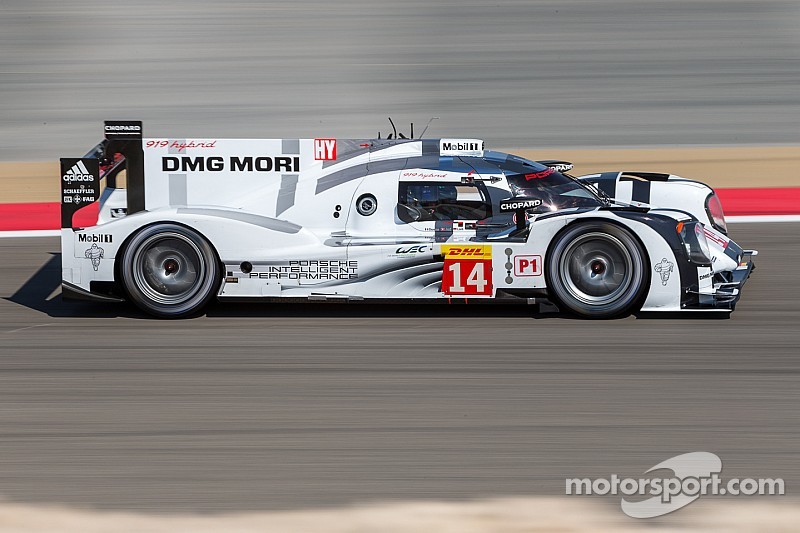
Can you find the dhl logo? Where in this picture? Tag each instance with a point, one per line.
(467, 252)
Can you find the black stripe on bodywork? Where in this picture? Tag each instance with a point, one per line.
(287, 192)
(734, 251)
(607, 182)
(359, 171)
(564, 213)
(648, 176)
(134, 164)
(430, 147)
(335, 179)
(665, 226)
(283, 226)
(348, 149)
(641, 191)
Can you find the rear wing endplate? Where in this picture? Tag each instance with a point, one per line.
(80, 177)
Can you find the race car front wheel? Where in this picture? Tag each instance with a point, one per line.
(597, 270)
(169, 270)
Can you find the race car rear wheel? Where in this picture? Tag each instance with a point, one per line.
(597, 270)
(169, 270)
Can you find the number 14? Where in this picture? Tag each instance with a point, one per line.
(476, 281)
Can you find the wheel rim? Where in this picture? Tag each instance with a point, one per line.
(168, 268)
(596, 268)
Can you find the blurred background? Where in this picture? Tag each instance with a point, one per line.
(564, 73)
(261, 408)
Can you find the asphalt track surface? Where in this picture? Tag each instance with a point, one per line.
(263, 407)
(561, 73)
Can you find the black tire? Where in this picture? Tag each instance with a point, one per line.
(597, 270)
(169, 271)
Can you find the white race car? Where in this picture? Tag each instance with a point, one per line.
(414, 219)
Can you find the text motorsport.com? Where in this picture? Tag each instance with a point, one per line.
(694, 474)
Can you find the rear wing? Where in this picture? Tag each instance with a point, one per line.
(80, 177)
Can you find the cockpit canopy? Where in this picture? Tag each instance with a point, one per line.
(529, 179)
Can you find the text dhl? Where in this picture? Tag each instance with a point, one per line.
(467, 252)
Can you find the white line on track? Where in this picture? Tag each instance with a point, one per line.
(763, 218)
(734, 219)
(31, 233)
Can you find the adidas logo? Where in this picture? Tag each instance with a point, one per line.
(78, 172)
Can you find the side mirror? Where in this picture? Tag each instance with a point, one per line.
(519, 205)
(407, 213)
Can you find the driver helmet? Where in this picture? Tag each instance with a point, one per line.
(427, 194)
(447, 192)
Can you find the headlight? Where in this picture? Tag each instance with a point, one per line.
(694, 240)
(715, 213)
(701, 239)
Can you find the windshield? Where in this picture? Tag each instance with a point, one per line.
(534, 180)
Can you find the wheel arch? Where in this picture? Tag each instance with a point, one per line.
(648, 266)
(605, 221)
(126, 242)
